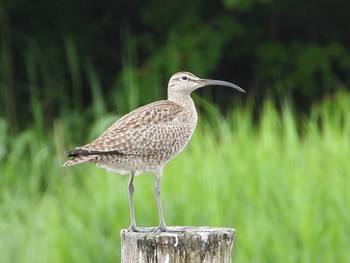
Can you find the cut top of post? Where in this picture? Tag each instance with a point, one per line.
(192, 244)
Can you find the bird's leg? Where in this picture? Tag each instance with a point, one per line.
(131, 204)
(131, 191)
(162, 225)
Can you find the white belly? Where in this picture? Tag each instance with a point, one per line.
(128, 165)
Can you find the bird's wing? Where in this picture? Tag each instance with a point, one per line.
(148, 130)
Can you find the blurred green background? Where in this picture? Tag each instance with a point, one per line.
(273, 163)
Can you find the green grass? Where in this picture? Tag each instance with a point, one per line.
(283, 184)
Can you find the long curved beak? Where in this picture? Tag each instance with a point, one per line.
(212, 82)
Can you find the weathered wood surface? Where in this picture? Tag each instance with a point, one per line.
(194, 245)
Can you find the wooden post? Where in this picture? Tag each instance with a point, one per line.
(194, 245)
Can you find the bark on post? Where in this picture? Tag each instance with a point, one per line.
(194, 245)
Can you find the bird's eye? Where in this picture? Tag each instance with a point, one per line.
(184, 78)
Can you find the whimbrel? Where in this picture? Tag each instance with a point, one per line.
(144, 140)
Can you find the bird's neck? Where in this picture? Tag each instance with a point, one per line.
(186, 102)
(183, 100)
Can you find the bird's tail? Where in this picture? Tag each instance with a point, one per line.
(81, 155)
(78, 159)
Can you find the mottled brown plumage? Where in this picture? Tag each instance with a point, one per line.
(145, 139)
(145, 135)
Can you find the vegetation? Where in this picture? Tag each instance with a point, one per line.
(273, 163)
(52, 53)
(282, 183)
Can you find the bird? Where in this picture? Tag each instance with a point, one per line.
(147, 138)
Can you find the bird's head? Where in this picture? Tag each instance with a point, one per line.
(185, 82)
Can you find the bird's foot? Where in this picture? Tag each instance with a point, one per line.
(134, 228)
(164, 228)
(161, 228)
